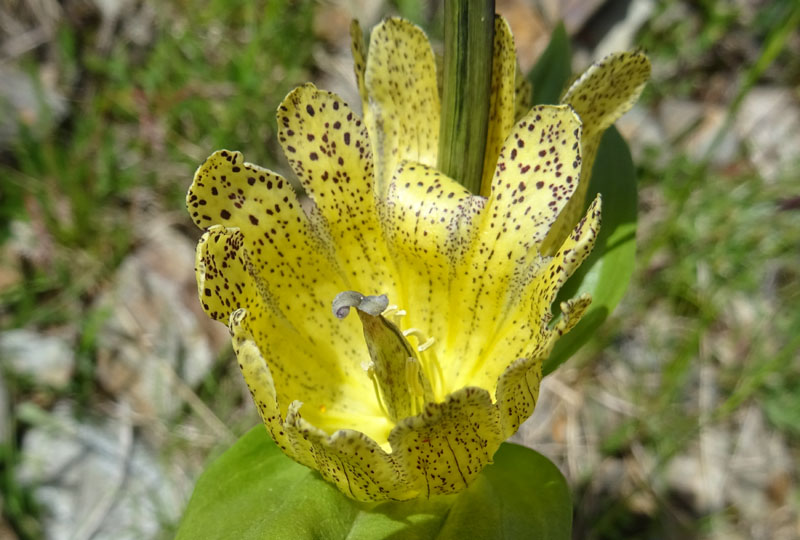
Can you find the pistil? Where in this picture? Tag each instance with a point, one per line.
(402, 386)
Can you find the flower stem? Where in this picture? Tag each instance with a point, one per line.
(468, 39)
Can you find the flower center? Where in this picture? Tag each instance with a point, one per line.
(404, 377)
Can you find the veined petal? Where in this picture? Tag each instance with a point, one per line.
(404, 107)
(605, 91)
(350, 459)
(328, 148)
(518, 390)
(537, 171)
(501, 99)
(431, 225)
(448, 445)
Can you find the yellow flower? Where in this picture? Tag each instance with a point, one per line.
(412, 397)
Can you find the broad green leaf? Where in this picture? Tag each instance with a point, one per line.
(607, 271)
(552, 70)
(253, 491)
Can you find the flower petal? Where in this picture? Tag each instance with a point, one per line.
(431, 224)
(518, 386)
(501, 99)
(281, 245)
(605, 91)
(537, 171)
(222, 292)
(569, 257)
(404, 107)
(525, 327)
(351, 460)
(448, 445)
(518, 390)
(608, 89)
(327, 147)
(258, 378)
(439, 451)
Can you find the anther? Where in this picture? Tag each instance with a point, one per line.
(427, 345)
(416, 332)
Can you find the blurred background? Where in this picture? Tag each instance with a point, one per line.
(681, 419)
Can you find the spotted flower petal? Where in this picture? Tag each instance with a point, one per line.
(397, 82)
(413, 396)
(600, 96)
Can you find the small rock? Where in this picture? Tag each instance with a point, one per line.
(95, 479)
(47, 359)
(622, 35)
(699, 143)
(769, 124)
(678, 116)
(761, 458)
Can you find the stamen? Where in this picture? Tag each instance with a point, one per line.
(397, 315)
(412, 379)
(376, 388)
(393, 312)
(427, 345)
(389, 311)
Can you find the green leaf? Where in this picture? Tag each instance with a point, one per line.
(606, 273)
(552, 70)
(253, 491)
